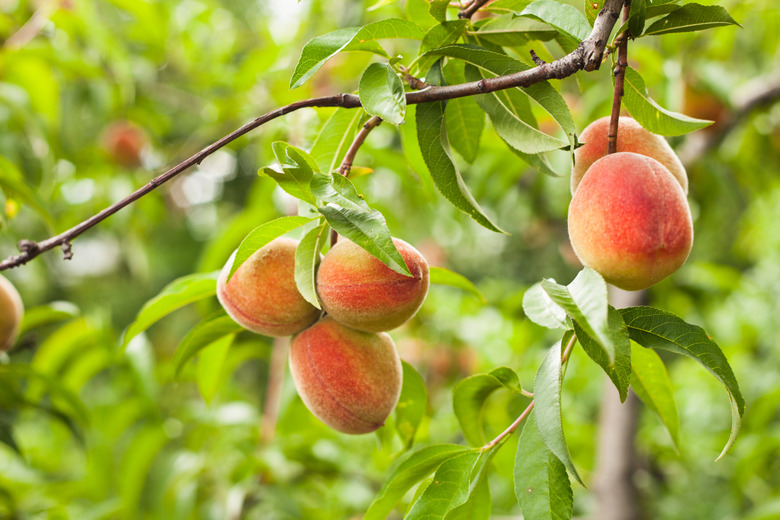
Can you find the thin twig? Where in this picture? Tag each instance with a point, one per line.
(360, 138)
(620, 75)
(33, 26)
(586, 57)
(273, 392)
(512, 427)
(472, 8)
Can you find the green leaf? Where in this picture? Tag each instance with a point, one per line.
(412, 153)
(464, 119)
(618, 371)
(585, 301)
(592, 8)
(650, 114)
(470, 395)
(321, 49)
(477, 507)
(349, 215)
(298, 169)
(408, 471)
(412, 403)
(7, 432)
(262, 235)
(449, 488)
(438, 9)
(565, 18)
(651, 384)
(133, 469)
(547, 399)
(211, 363)
(438, 36)
(509, 30)
(46, 314)
(435, 149)
(334, 139)
(542, 310)
(654, 328)
(636, 20)
(691, 17)
(175, 295)
(307, 258)
(211, 329)
(382, 93)
(442, 276)
(543, 93)
(542, 486)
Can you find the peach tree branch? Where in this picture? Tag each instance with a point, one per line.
(587, 56)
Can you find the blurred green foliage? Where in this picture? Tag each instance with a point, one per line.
(103, 434)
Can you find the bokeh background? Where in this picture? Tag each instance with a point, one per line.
(99, 96)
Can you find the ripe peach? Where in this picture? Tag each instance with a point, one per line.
(262, 296)
(631, 138)
(629, 220)
(350, 380)
(358, 290)
(11, 311)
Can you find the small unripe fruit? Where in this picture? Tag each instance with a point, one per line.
(632, 137)
(261, 296)
(358, 290)
(629, 220)
(11, 311)
(348, 379)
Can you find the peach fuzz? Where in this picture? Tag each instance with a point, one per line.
(348, 379)
(11, 312)
(358, 290)
(261, 296)
(629, 220)
(631, 138)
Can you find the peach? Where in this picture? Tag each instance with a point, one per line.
(358, 290)
(629, 220)
(631, 138)
(124, 142)
(11, 311)
(348, 379)
(261, 296)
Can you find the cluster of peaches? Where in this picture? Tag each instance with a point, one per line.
(629, 218)
(345, 367)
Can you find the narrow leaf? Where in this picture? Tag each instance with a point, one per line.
(542, 310)
(449, 488)
(211, 363)
(465, 121)
(206, 332)
(412, 403)
(382, 93)
(262, 235)
(469, 398)
(442, 276)
(592, 8)
(438, 9)
(636, 20)
(654, 328)
(618, 371)
(334, 139)
(432, 137)
(307, 258)
(478, 505)
(650, 114)
(438, 36)
(651, 384)
(175, 295)
(547, 398)
(321, 49)
(691, 17)
(41, 315)
(408, 471)
(542, 486)
(565, 18)
(585, 301)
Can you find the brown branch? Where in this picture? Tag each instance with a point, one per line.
(620, 75)
(473, 7)
(34, 25)
(360, 138)
(587, 56)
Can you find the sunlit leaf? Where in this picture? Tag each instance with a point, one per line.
(566, 18)
(651, 383)
(442, 276)
(691, 17)
(382, 93)
(206, 332)
(262, 235)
